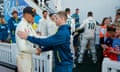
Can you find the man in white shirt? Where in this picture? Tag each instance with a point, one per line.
(47, 26)
(70, 20)
(52, 28)
(26, 48)
(71, 23)
(88, 37)
(42, 27)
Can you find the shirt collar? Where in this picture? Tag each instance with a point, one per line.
(25, 21)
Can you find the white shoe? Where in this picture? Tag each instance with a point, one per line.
(94, 60)
(80, 60)
(74, 65)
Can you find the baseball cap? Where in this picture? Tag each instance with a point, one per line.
(29, 10)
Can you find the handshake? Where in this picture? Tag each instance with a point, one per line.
(38, 51)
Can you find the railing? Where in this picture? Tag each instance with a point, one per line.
(42, 63)
(8, 53)
(45, 7)
(38, 8)
(49, 9)
(110, 66)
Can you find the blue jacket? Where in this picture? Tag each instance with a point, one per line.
(59, 43)
(3, 31)
(12, 23)
(77, 18)
(109, 41)
(3, 27)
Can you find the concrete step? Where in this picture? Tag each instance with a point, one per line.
(4, 69)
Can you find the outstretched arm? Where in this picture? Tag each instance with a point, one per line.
(81, 26)
(54, 40)
(57, 39)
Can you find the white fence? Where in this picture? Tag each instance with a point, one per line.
(42, 63)
(110, 66)
(8, 53)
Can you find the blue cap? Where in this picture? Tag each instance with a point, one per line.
(29, 10)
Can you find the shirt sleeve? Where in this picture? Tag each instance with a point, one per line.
(57, 39)
(82, 26)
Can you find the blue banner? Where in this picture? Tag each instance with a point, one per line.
(11, 5)
(18, 5)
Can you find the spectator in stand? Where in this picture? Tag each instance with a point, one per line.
(116, 45)
(112, 45)
(12, 24)
(108, 45)
(103, 35)
(3, 30)
(111, 50)
(103, 29)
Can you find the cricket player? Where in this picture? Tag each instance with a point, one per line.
(71, 23)
(88, 37)
(26, 48)
(42, 27)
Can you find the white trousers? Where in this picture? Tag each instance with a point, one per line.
(83, 44)
(24, 62)
(107, 64)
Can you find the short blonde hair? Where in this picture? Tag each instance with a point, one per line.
(62, 14)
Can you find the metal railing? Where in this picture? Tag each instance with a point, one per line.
(7, 53)
(39, 8)
(41, 63)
